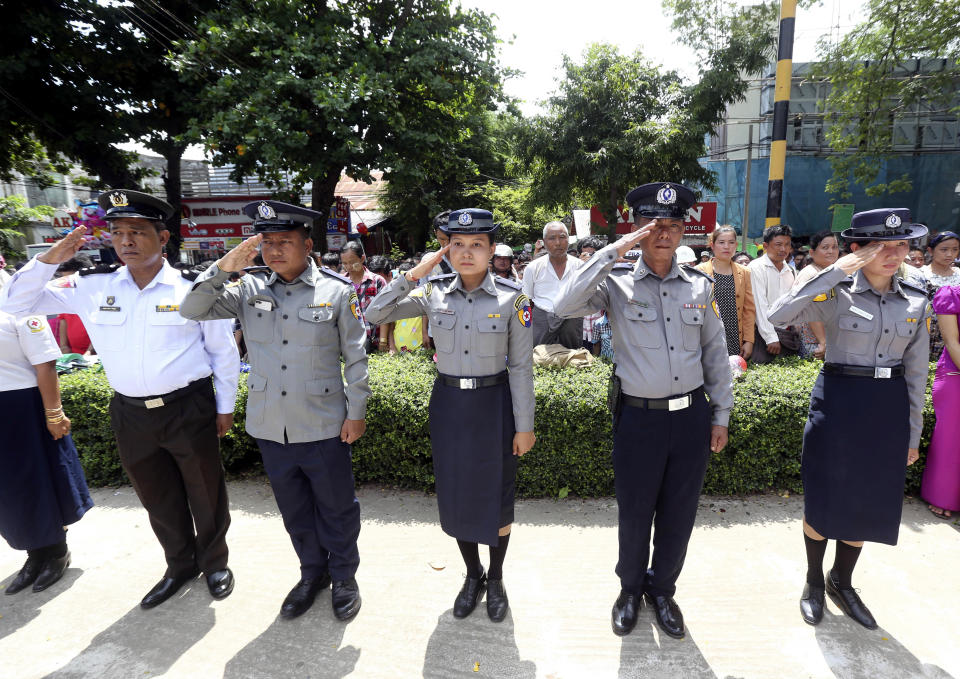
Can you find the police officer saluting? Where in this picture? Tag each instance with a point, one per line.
(671, 355)
(481, 415)
(164, 413)
(876, 362)
(298, 321)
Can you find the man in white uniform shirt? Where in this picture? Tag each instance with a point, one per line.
(771, 277)
(164, 413)
(543, 279)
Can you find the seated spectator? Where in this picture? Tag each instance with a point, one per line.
(69, 331)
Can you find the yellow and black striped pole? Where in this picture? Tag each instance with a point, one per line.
(781, 108)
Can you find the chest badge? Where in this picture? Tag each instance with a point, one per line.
(167, 308)
(110, 300)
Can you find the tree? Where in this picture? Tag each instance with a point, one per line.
(14, 215)
(314, 89)
(871, 90)
(509, 200)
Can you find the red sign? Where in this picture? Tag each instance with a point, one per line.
(701, 219)
(339, 219)
(216, 217)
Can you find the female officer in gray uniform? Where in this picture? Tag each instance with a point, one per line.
(481, 415)
(876, 361)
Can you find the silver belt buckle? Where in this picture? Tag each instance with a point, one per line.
(468, 383)
(678, 403)
(882, 373)
(153, 402)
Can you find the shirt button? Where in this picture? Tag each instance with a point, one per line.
(671, 348)
(259, 314)
(284, 317)
(886, 332)
(664, 294)
(283, 393)
(466, 327)
(854, 325)
(676, 379)
(883, 301)
(469, 301)
(284, 341)
(465, 351)
(283, 367)
(494, 327)
(668, 318)
(289, 293)
(879, 355)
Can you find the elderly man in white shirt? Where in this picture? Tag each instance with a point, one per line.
(543, 279)
(771, 277)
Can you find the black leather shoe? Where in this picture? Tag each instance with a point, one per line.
(220, 583)
(497, 603)
(469, 595)
(624, 614)
(668, 613)
(51, 571)
(26, 577)
(301, 597)
(167, 587)
(345, 598)
(811, 604)
(849, 602)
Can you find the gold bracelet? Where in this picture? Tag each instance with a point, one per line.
(57, 420)
(54, 410)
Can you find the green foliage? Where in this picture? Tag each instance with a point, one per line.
(521, 221)
(871, 89)
(573, 428)
(14, 215)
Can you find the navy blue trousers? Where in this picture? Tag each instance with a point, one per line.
(313, 485)
(659, 460)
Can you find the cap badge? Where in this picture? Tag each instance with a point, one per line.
(666, 196)
(118, 199)
(465, 219)
(892, 221)
(266, 211)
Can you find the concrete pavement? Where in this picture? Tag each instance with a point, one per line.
(739, 591)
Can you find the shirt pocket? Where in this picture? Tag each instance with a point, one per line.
(259, 325)
(443, 329)
(325, 398)
(855, 334)
(492, 336)
(169, 330)
(107, 329)
(642, 328)
(315, 326)
(691, 327)
(904, 333)
(256, 397)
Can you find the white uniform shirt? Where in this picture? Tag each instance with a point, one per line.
(541, 284)
(769, 285)
(147, 348)
(24, 343)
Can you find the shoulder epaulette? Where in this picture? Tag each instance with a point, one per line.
(507, 282)
(333, 274)
(913, 286)
(692, 269)
(99, 268)
(623, 266)
(257, 269)
(441, 277)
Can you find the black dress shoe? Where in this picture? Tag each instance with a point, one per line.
(469, 595)
(345, 598)
(51, 571)
(27, 575)
(668, 613)
(811, 604)
(301, 597)
(167, 587)
(220, 583)
(497, 603)
(849, 602)
(624, 614)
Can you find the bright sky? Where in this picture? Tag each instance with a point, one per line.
(537, 33)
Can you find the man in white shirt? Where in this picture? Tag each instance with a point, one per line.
(164, 413)
(771, 277)
(543, 279)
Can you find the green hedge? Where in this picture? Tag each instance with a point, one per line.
(572, 454)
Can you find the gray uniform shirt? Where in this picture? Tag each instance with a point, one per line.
(667, 337)
(476, 333)
(866, 328)
(295, 333)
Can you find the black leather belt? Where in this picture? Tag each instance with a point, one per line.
(863, 371)
(165, 399)
(672, 403)
(473, 382)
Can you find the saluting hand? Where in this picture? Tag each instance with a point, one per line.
(625, 244)
(858, 259)
(718, 438)
(241, 256)
(66, 248)
(522, 442)
(427, 264)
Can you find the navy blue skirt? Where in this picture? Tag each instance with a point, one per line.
(854, 468)
(42, 486)
(471, 433)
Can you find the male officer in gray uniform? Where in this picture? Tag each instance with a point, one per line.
(671, 355)
(298, 321)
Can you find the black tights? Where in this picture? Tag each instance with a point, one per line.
(843, 563)
(471, 557)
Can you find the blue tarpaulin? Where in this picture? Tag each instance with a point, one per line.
(934, 198)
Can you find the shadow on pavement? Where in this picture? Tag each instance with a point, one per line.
(308, 646)
(18, 609)
(853, 652)
(456, 646)
(146, 643)
(647, 652)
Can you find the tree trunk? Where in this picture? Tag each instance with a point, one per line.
(613, 212)
(173, 154)
(322, 196)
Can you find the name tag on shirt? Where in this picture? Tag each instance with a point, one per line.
(321, 305)
(109, 308)
(445, 311)
(163, 308)
(861, 313)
